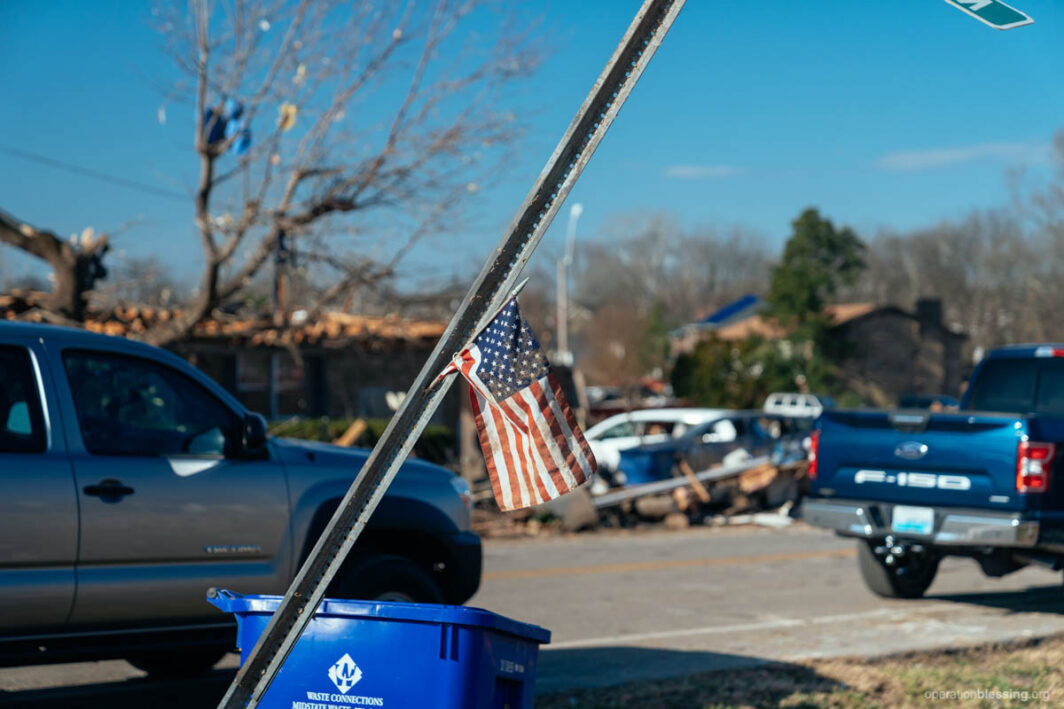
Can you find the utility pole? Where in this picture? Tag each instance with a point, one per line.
(280, 272)
(563, 356)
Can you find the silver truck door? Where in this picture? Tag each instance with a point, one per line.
(38, 504)
(169, 508)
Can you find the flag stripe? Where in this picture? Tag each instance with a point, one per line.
(559, 470)
(573, 439)
(574, 434)
(543, 482)
(513, 456)
(528, 464)
(571, 465)
(500, 484)
(508, 476)
(539, 422)
(515, 426)
(450, 368)
(470, 362)
(548, 468)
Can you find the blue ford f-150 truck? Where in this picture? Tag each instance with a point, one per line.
(983, 482)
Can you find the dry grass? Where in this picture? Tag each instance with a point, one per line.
(1016, 674)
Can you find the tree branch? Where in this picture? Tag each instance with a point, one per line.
(76, 265)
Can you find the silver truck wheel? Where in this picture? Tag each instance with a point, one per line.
(903, 579)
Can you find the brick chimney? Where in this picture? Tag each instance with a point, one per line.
(929, 315)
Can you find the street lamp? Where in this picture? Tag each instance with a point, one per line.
(563, 356)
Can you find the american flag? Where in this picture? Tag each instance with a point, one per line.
(532, 445)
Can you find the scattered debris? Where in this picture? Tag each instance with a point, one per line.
(755, 492)
(654, 506)
(677, 520)
(771, 519)
(331, 329)
(352, 434)
(696, 484)
(758, 478)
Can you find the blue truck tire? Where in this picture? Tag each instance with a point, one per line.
(902, 580)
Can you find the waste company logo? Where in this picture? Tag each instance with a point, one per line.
(345, 673)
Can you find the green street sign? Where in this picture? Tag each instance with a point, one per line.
(993, 12)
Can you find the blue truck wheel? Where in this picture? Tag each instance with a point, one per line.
(904, 579)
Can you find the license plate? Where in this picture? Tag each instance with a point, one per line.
(913, 520)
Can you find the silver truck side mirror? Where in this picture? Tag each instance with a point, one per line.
(254, 433)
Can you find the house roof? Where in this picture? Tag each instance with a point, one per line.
(845, 312)
(740, 318)
(840, 314)
(736, 310)
(329, 329)
(753, 326)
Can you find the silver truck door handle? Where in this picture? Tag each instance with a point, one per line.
(109, 490)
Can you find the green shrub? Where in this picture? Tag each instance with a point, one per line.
(437, 444)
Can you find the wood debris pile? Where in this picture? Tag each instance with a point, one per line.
(764, 494)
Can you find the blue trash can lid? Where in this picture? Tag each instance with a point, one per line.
(390, 610)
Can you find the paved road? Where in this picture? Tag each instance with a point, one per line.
(652, 605)
(637, 605)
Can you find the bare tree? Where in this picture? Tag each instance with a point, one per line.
(990, 273)
(335, 134)
(371, 121)
(144, 281)
(995, 270)
(647, 275)
(650, 261)
(77, 263)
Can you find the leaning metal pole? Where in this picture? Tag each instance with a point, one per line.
(485, 297)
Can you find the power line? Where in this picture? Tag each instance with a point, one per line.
(87, 172)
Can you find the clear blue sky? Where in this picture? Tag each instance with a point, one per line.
(884, 114)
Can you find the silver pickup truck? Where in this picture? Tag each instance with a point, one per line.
(130, 483)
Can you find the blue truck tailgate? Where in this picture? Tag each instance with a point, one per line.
(963, 459)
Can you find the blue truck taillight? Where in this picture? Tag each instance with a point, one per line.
(814, 445)
(1033, 461)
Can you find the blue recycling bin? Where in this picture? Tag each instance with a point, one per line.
(357, 654)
